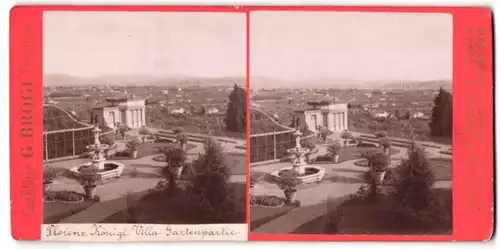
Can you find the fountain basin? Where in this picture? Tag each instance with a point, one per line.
(311, 173)
(110, 169)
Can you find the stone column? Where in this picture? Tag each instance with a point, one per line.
(330, 121)
(346, 124)
(128, 113)
(141, 116)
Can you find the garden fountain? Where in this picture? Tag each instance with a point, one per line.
(306, 173)
(298, 154)
(106, 169)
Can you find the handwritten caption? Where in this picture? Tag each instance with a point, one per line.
(476, 78)
(121, 232)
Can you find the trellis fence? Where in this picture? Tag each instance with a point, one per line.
(66, 143)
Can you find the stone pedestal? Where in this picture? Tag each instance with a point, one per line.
(98, 163)
(301, 170)
(299, 160)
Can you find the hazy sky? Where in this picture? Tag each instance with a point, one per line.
(362, 46)
(144, 43)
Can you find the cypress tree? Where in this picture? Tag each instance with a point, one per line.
(441, 123)
(236, 114)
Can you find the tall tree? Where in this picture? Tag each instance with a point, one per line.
(414, 179)
(211, 186)
(236, 114)
(441, 123)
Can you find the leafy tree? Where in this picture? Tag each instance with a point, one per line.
(378, 162)
(296, 124)
(108, 138)
(182, 139)
(178, 130)
(381, 134)
(293, 122)
(174, 157)
(441, 123)
(386, 143)
(145, 131)
(324, 133)
(210, 185)
(397, 114)
(305, 130)
(346, 136)
(236, 110)
(407, 115)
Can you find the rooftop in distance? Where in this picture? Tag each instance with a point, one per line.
(121, 98)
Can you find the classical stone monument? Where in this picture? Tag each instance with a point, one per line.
(329, 114)
(120, 110)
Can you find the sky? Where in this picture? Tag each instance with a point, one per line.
(92, 44)
(352, 45)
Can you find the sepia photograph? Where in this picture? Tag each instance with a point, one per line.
(350, 123)
(144, 117)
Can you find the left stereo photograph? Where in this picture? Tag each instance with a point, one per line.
(144, 126)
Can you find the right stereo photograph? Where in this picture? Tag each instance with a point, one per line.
(351, 123)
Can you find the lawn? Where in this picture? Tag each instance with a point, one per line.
(261, 215)
(236, 162)
(351, 153)
(160, 118)
(55, 212)
(442, 168)
(177, 209)
(384, 217)
(148, 149)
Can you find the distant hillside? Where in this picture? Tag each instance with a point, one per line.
(423, 85)
(345, 83)
(263, 82)
(67, 80)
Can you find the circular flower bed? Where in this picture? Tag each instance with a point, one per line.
(63, 197)
(366, 145)
(159, 158)
(266, 201)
